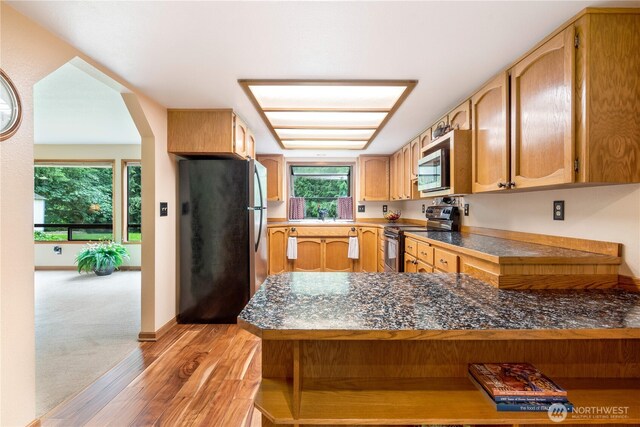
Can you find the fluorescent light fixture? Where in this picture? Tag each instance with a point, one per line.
(359, 134)
(304, 96)
(326, 144)
(324, 118)
(323, 114)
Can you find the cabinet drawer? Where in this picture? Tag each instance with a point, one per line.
(425, 253)
(411, 247)
(445, 261)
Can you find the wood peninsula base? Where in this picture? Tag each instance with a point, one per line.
(310, 382)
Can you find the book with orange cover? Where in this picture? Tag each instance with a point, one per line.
(514, 379)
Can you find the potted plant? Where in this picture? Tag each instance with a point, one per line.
(101, 258)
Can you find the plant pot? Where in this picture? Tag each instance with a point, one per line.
(105, 271)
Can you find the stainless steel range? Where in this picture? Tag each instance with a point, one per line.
(443, 218)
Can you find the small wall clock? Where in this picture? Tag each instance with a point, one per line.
(10, 108)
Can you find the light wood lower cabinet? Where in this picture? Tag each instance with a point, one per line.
(310, 254)
(334, 255)
(277, 245)
(445, 261)
(410, 263)
(319, 249)
(422, 267)
(368, 242)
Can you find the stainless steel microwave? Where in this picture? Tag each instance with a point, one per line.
(433, 171)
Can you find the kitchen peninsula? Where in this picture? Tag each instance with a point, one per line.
(381, 349)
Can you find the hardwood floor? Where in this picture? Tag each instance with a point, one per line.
(195, 375)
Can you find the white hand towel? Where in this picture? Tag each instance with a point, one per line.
(392, 251)
(354, 248)
(292, 248)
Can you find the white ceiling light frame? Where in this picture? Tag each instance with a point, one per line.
(326, 114)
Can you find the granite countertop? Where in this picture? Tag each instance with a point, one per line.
(501, 249)
(429, 302)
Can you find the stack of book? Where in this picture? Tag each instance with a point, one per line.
(517, 387)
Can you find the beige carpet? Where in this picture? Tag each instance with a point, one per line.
(84, 326)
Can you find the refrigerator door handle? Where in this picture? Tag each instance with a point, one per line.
(259, 208)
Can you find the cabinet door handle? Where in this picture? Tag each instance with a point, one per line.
(502, 185)
(443, 261)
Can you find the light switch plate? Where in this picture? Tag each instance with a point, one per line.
(360, 208)
(164, 209)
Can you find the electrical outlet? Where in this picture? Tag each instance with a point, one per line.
(384, 208)
(424, 209)
(558, 210)
(360, 208)
(164, 209)
(466, 209)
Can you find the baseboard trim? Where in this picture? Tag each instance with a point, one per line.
(73, 268)
(155, 336)
(629, 283)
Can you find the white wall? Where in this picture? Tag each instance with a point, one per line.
(608, 213)
(44, 254)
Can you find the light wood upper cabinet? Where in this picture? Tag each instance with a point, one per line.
(374, 178)
(489, 138)
(277, 249)
(393, 180)
(415, 156)
(400, 174)
(241, 136)
(207, 132)
(607, 105)
(406, 171)
(274, 163)
(542, 139)
(425, 138)
(251, 144)
(460, 117)
(368, 243)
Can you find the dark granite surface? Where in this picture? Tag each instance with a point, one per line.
(501, 247)
(417, 301)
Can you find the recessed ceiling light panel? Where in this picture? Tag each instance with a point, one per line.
(305, 96)
(361, 134)
(324, 144)
(326, 114)
(313, 119)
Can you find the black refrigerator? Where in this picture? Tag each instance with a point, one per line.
(223, 245)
